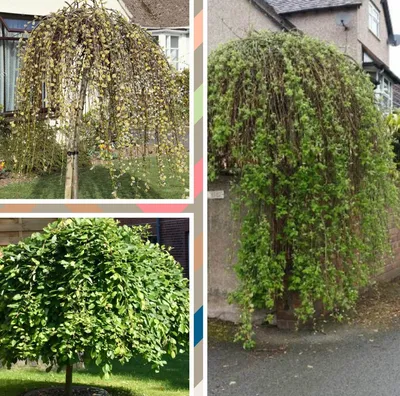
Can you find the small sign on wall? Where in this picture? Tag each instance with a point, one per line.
(216, 194)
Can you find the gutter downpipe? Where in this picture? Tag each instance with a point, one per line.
(158, 230)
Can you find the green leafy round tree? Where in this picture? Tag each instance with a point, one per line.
(87, 58)
(296, 123)
(91, 290)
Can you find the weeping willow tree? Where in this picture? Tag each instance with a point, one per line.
(86, 58)
(295, 122)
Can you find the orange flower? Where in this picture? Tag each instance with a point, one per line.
(104, 147)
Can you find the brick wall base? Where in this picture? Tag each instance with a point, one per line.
(285, 317)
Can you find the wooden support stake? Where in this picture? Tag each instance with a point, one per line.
(71, 179)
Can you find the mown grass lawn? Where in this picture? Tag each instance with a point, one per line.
(93, 184)
(133, 379)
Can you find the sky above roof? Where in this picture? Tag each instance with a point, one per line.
(394, 6)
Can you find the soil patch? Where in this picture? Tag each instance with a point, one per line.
(379, 307)
(77, 391)
(15, 179)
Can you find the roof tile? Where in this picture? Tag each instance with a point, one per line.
(158, 13)
(288, 6)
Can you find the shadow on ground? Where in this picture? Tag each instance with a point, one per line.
(93, 184)
(175, 374)
(96, 183)
(19, 387)
(125, 380)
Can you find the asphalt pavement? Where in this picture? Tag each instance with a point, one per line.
(344, 362)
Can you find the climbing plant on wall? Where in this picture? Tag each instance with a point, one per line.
(393, 123)
(294, 121)
(86, 57)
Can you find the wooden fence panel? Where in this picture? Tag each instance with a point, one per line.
(13, 230)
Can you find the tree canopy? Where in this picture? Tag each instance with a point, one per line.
(87, 59)
(91, 290)
(295, 122)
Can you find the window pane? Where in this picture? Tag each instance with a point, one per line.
(386, 103)
(372, 25)
(174, 54)
(17, 24)
(374, 19)
(375, 28)
(174, 42)
(13, 34)
(373, 10)
(386, 87)
(11, 70)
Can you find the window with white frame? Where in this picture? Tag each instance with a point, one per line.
(385, 94)
(374, 19)
(172, 50)
(12, 28)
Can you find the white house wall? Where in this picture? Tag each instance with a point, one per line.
(184, 47)
(44, 7)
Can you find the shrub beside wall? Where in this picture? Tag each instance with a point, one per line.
(295, 122)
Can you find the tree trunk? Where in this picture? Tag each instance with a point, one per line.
(68, 380)
(71, 179)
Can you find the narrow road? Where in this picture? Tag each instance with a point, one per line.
(345, 363)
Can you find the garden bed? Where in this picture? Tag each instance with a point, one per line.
(8, 178)
(76, 391)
